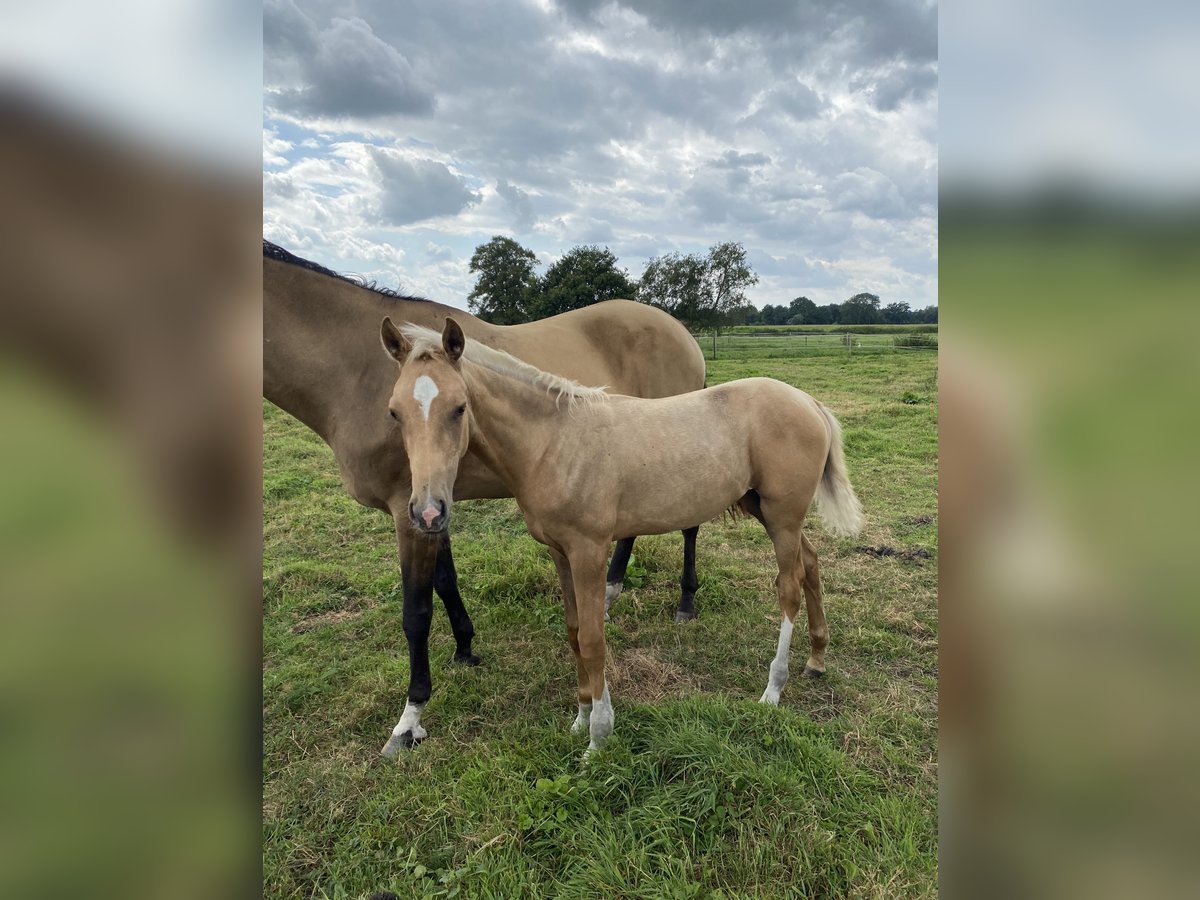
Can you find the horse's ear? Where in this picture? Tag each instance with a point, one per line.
(453, 340)
(395, 343)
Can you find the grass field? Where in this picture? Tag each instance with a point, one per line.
(782, 344)
(701, 791)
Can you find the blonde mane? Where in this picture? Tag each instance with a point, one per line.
(426, 340)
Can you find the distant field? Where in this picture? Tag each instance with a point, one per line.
(702, 792)
(782, 342)
(825, 329)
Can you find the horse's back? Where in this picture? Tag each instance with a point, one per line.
(636, 349)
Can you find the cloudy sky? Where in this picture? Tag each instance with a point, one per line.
(399, 136)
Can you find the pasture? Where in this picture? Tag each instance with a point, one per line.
(701, 791)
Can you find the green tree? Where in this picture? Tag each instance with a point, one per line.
(585, 275)
(507, 283)
(897, 313)
(674, 283)
(698, 290)
(800, 311)
(861, 309)
(727, 276)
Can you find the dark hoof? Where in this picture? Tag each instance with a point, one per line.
(682, 616)
(407, 741)
(810, 672)
(467, 659)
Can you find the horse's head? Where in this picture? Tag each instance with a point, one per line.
(430, 403)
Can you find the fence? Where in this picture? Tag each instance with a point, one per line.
(768, 345)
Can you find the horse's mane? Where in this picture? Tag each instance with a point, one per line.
(274, 251)
(426, 340)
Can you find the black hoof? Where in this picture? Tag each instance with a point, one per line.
(810, 672)
(684, 616)
(407, 741)
(467, 659)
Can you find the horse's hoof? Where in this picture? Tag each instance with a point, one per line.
(684, 616)
(467, 659)
(405, 741)
(810, 672)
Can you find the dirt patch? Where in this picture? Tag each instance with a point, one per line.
(912, 555)
(642, 676)
(319, 621)
(920, 520)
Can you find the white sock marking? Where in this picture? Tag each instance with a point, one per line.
(779, 665)
(580, 724)
(424, 390)
(410, 720)
(602, 719)
(612, 591)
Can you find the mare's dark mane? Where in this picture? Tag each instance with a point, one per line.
(274, 251)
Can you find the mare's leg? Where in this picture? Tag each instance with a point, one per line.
(615, 580)
(817, 631)
(587, 575)
(688, 582)
(786, 537)
(571, 613)
(445, 582)
(418, 559)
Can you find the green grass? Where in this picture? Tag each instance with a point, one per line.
(787, 344)
(914, 328)
(701, 792)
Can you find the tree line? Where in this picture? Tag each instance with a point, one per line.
(704, 291)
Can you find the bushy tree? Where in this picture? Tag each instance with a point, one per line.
(507, 284)
(585, 275)
(698, 290)
(674, 283)
(800, 311)
(861, 309)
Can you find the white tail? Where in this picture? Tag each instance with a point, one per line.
(840, 508)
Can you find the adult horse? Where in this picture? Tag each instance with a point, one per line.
(669, 463)
(321, 363)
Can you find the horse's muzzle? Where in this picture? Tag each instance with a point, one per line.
(433, 517)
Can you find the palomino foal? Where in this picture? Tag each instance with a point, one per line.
(600, 466)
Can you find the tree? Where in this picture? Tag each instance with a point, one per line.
(800, 310)
(585, 275)
(507, 283)
(698, 290)
(727, 276)
(861, 309)
(674, 283)
(897, 313)
(829, 314)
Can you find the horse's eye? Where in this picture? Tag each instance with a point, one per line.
(458, 413)
(392, 413)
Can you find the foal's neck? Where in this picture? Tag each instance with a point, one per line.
(515, 424)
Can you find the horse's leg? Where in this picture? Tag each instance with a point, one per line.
(571, 612)
(688, 582)
(418, 559)
(615, 580)
(786, 537)
(817, 631)
(587, 575)
(445, 582)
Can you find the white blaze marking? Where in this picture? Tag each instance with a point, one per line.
(779, 665)
(424, 391)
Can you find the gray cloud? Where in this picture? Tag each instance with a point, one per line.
(344, 69)
(518, 203)
(414, 190)
(646, 125)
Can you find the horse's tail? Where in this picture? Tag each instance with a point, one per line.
(836, 501)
